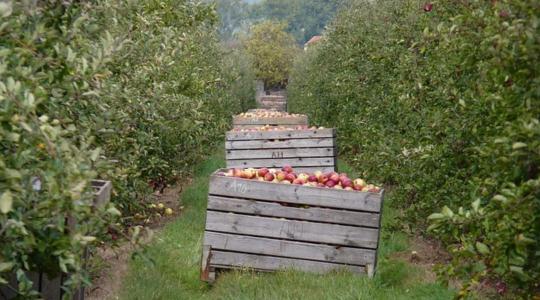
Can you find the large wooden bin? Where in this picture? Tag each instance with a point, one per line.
(269, 226)
(240, 122)
(305, 150)
(50, 288)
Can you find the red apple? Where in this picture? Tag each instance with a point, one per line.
(287, 169)
(330, 183)
(334, 177)
(290, 177)
(262, 172)
(318, 174)
(346, 182)
(323, 179)
(269, 177)
(299, 181)
(374, 190)
(312, 178)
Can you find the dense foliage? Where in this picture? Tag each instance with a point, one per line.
(272, 52)
(129, 91)
(441, 102)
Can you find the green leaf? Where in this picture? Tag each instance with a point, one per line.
(482, 248)
(436, 216)
(500, 198)
(476, 205)
(6, 266)
(447, 212)
(519, 145)
(114, 211)
(6, 202)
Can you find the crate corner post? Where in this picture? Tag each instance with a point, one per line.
(208, 273)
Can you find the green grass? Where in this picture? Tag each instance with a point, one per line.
(175, 251)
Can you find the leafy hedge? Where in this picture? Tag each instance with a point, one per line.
(130, 91)
(441, 102)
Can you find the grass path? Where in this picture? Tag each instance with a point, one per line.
(175, 251)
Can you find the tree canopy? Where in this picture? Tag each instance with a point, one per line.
(272, 51)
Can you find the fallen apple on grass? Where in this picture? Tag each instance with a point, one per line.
(286, 175)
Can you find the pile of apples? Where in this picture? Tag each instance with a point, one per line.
(318, 179)
(267, 114)
(277, 128)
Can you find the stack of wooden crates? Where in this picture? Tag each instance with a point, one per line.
(268, 226)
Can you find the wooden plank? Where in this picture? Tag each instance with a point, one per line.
(280, 134)
(280, 162)
(292, 230)
(294, 120)
(258, 262)
(297, 194)
(291, 249)
(271, 209)
(313, 169)
(276, 144)
(281, 153)
(257, 126)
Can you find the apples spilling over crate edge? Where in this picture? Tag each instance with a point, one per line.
(317, 179)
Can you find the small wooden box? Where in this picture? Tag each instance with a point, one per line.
(51, 288)
(269, 226)
(305, 150)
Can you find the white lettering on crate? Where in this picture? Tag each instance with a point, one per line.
(238, 187)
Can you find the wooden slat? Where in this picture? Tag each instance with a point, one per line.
(235, 260)
(282, 153)
(281, 134)
(297, 120)
(267, 144)
(316, 214)
(280, 162)
(293, 230)
(248, 126)
(313, 169)
(291, 249)
(243, 188)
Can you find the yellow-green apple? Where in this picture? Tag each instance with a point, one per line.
(237, 173)
(280, 176)
(318, 174)
(303, 176)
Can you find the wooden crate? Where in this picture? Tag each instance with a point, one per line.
(269, 226)
(277, 102)
(305, 150)
(50, 288)
(289, 121)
